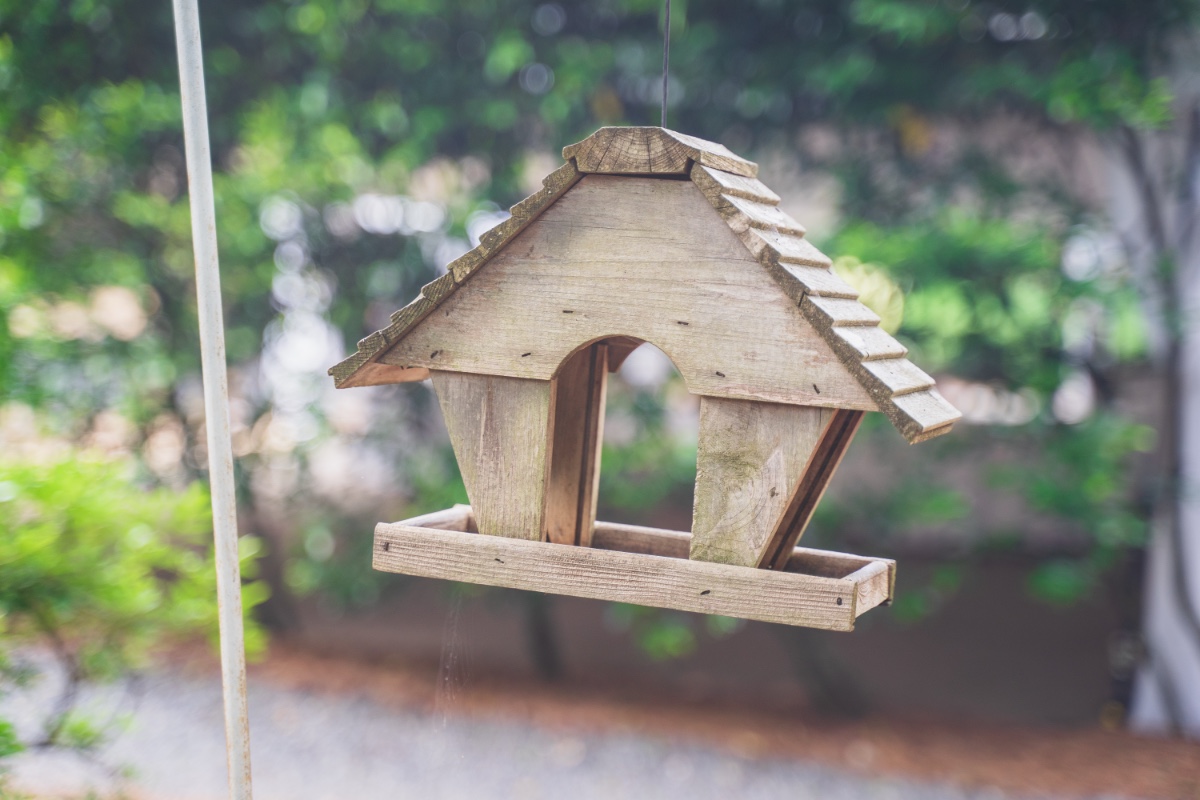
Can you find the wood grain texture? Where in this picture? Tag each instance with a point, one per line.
(924, 415)
(651, 151)
(619, 349)
(851, 329)
(774, 247)
(899, 375)
(750, 459)
(677, 544)
(714, 182)
(456, 518)
(874, 373)
(577, 418)
(873, 585)
(640, 539)
(742, 215)
(642, 258)
(827, 456)
(904, 393)
(499, 428)
(868, 344)
(362, 368)
(698, 586)
(818, 281)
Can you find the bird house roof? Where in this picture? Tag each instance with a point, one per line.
(849, 331)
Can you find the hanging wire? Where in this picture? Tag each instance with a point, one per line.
(666, 61)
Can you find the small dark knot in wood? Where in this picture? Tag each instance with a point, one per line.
(568, 311)
(706, 591)
(681, 322)
(720, 374)
(526, 355)
(839, 601)
(815, 389)
(385, 547)
(435, 354)
(501, 561)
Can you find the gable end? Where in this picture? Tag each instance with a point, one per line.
(905, 394)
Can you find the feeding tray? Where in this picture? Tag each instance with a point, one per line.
(646, 235)
(644, 566)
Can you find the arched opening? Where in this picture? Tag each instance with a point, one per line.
(648, 463)
(622, 419)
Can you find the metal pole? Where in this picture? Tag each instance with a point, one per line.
(216, 394)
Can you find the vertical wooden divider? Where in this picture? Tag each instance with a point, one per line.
(577, 397)
(499, 428)
(749, 460)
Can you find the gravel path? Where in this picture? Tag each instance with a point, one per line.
(317, 745)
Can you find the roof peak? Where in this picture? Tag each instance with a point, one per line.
(652, 151)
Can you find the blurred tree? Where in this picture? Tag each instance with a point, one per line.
(99, 572)
(356, 142)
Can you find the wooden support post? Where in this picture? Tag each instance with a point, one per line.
(825, 460)
(499, 428)
(577, 418)
(750, 460)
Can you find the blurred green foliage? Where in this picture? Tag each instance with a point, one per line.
(664, 636)
(315, 104)
(99, 571)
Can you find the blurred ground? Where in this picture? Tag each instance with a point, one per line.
(988, 652)
(329, 728)
(335, 727)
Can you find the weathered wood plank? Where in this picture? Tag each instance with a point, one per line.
(820, 281)
(499, 428)
(640, 539)
(837, 312)
(577, 418)
(863, 571)
(741, 215)
(698, 586)
(826, 457)
(899, 375)
(456, 518)
(643, 258)
(362, 367)
(491, 242)
(750, 460)
(868, 344)
(359, 369)
(553, 187)
(924, 415)
(715, 182)
(873, 585)
(772, 246)
(651, 151)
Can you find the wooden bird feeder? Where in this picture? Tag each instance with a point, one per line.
(647, 235)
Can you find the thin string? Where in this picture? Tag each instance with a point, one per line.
(666, 60)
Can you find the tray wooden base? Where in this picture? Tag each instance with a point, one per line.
(644, 566)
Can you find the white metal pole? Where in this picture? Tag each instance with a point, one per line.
(216, 394)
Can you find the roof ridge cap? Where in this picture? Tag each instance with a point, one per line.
(649, 150)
